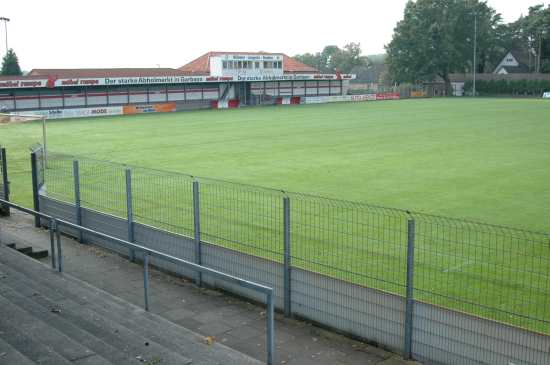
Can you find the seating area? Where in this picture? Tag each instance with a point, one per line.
(52, 318)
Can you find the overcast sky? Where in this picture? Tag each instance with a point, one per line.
(139, 33)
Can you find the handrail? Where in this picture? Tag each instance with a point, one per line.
(56, 223)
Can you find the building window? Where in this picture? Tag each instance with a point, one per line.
(224, 64)
(257, 64)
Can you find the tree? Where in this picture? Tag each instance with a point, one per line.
(332, 58)
(10, 64)
(310, 59)
(534, 31)
(435, 38)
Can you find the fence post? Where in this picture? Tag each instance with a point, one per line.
(59, 253)
(34, 175)
(52, 240)
(5, 210)
(146, 280)
(407, 352)
(197, 225)
(287, 263)
(130, 213)
(78, 210)
(270, 338)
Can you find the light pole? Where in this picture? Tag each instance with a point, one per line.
(475, 53)
(5, 20)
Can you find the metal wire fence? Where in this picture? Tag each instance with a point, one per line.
(490, 271)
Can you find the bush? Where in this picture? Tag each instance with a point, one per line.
(508, 87)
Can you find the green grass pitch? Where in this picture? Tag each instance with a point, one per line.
(482, 159)
(485, 159)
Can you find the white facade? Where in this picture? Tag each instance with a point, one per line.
(247, 65)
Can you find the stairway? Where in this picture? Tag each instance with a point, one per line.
(52, 318)
(29, 251)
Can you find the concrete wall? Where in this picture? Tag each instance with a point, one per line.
(440, 336)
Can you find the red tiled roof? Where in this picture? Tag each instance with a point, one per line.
(28, 77)
(201, 65)
(104, 72)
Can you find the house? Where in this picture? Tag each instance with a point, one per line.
(511, 64)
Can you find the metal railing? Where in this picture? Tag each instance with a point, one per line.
(55, 231)
(4, 183)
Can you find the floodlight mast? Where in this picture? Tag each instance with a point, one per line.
(44, 151)
(475, 54)
(5, 20)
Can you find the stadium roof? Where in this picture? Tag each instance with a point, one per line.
(201, 65)
(65, 73)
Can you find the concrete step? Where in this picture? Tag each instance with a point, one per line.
(97, 345)
(77, 299)
(9, 355)
(26, 250)
(38, 255)
(131, 344)
(157, 329)
(30, 324)
(26, 342)
(29, 251)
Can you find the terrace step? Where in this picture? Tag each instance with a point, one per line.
(113, 329)
(26, 250)
(47, 300)
(9, 355)
(29, 251)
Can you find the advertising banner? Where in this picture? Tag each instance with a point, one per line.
(149, 108)
(23, 82)
(75, 113)
(388, 96)
(365, 97)
(418, 94)
(546, 95)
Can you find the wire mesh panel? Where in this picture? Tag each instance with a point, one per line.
(242, 217)
(163, 200)
(489, 271)
(103, 187)
(59, 177)
(353, 242)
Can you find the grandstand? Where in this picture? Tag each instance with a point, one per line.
(213, 80)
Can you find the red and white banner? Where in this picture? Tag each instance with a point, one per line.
(340, 98)
(23, 83)
(388, 96)
(33, 82)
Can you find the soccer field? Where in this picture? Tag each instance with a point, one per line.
(483, 159)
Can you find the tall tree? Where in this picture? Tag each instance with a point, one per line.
(333, 58)
(10, 64)
(435, 38)
(534, 31)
